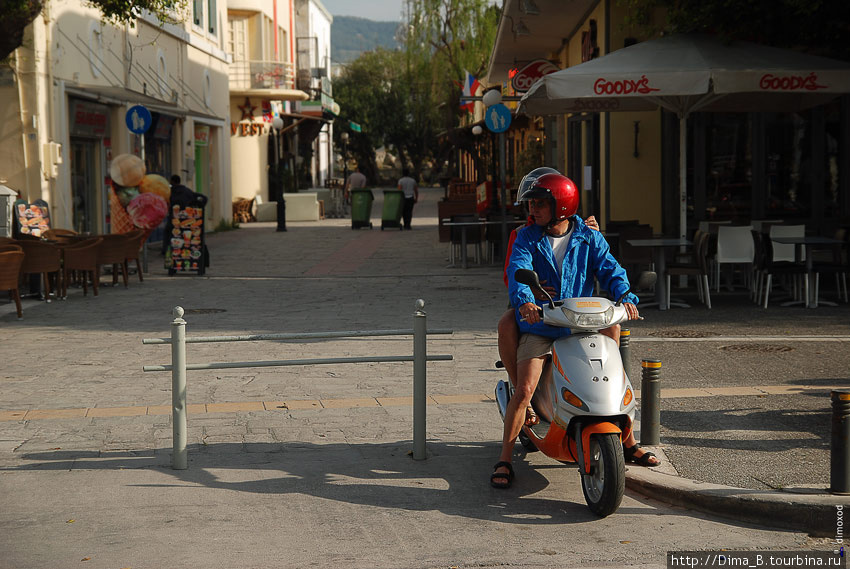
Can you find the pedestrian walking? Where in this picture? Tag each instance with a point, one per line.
(411, 195)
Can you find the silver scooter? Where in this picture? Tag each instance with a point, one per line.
(584, 399)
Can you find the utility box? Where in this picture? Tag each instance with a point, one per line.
(7, 199)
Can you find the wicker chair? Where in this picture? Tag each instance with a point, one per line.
(10, 274)
(44, 259)
(135, 242)
(81, 257)
(112, 251)
(4, 247)
(60, 234)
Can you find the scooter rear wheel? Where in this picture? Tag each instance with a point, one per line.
(603, 488)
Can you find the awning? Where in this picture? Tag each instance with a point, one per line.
(121, 96)
(272, 94)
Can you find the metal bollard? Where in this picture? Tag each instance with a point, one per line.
(650, 402)
(625, 335)
(419, 383)
(179, 455)
(839, 458)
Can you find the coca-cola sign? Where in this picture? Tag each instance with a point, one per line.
(526, 76)
(623, 86)
(771, 82)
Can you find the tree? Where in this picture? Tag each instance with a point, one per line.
(405, 98)
(820, 27)
(16, 15)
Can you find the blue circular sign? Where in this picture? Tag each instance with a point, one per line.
(497, 118)
(138, 119)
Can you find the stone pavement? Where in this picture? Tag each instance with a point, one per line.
(85, 434)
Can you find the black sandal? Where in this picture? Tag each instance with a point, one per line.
(496, 475)
(642, 460)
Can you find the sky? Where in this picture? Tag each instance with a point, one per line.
(378, 10)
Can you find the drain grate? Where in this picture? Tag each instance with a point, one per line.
(682, 334)
(203, 310)
(757, 348)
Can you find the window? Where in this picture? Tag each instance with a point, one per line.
(204, 13)
(236, 39)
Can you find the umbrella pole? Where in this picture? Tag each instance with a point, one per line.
(683, 175)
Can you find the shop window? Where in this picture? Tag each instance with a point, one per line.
(830, 165)
(730, 176)
(788, 137)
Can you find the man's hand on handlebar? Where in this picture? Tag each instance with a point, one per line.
(632, 311)
(530, 313)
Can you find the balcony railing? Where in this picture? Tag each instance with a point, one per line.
(262, 75)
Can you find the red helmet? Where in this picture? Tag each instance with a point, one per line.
(528, 181)
(560, 189)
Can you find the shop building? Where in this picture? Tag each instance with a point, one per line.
(66, 99)
(792, 166)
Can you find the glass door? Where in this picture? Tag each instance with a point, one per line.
(84, 184)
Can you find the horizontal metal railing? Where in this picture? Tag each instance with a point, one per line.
(253, 74)
(179, 367)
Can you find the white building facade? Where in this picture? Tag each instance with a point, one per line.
(64, 108)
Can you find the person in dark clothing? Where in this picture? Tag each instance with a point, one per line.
(183, 196)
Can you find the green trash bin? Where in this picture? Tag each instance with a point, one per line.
(393, 205)
(361, 208)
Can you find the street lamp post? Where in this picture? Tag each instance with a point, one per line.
(491, 98)
(277, 124)
(344, 138)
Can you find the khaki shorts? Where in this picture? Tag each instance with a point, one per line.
(533, 346)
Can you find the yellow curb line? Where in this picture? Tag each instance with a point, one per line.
(351, 403)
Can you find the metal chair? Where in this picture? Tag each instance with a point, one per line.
(735, 246)
(473, 237)
(698, 268)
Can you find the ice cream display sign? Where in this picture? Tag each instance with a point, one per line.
(136, 200)
(187, 240)
(33, 219)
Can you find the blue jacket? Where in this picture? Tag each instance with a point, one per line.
(588, 256)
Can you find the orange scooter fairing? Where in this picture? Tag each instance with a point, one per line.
(585, 439)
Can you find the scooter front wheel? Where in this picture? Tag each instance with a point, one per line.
(603, 488)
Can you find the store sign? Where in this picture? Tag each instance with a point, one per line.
(528, 75)
(202, 135)
(89, 119)
(771, 82)
(247, 129)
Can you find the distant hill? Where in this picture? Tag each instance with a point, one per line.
(351, 36)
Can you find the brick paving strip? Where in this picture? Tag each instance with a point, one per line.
(458, 399)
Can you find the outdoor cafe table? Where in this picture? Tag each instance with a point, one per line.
(658, 245)
(464, 225)
(810, 243)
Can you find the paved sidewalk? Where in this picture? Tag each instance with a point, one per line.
(745, 409)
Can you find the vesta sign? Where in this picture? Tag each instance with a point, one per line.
(526, 77)
(623, 87)
(770, 82)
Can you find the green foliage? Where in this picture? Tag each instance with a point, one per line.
(16, 15)
(403, 99)
(815, 26)
(225, 225)
(126, 11)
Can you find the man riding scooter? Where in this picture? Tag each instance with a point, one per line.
(568, 256)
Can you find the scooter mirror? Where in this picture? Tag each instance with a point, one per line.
(530, 278)
(646, 280)
(527, 277)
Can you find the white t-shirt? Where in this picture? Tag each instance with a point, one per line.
(559, 247)
(408, 186)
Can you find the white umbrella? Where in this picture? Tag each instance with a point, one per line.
(688, 73)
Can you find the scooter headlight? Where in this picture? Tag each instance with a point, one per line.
(590, 319)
